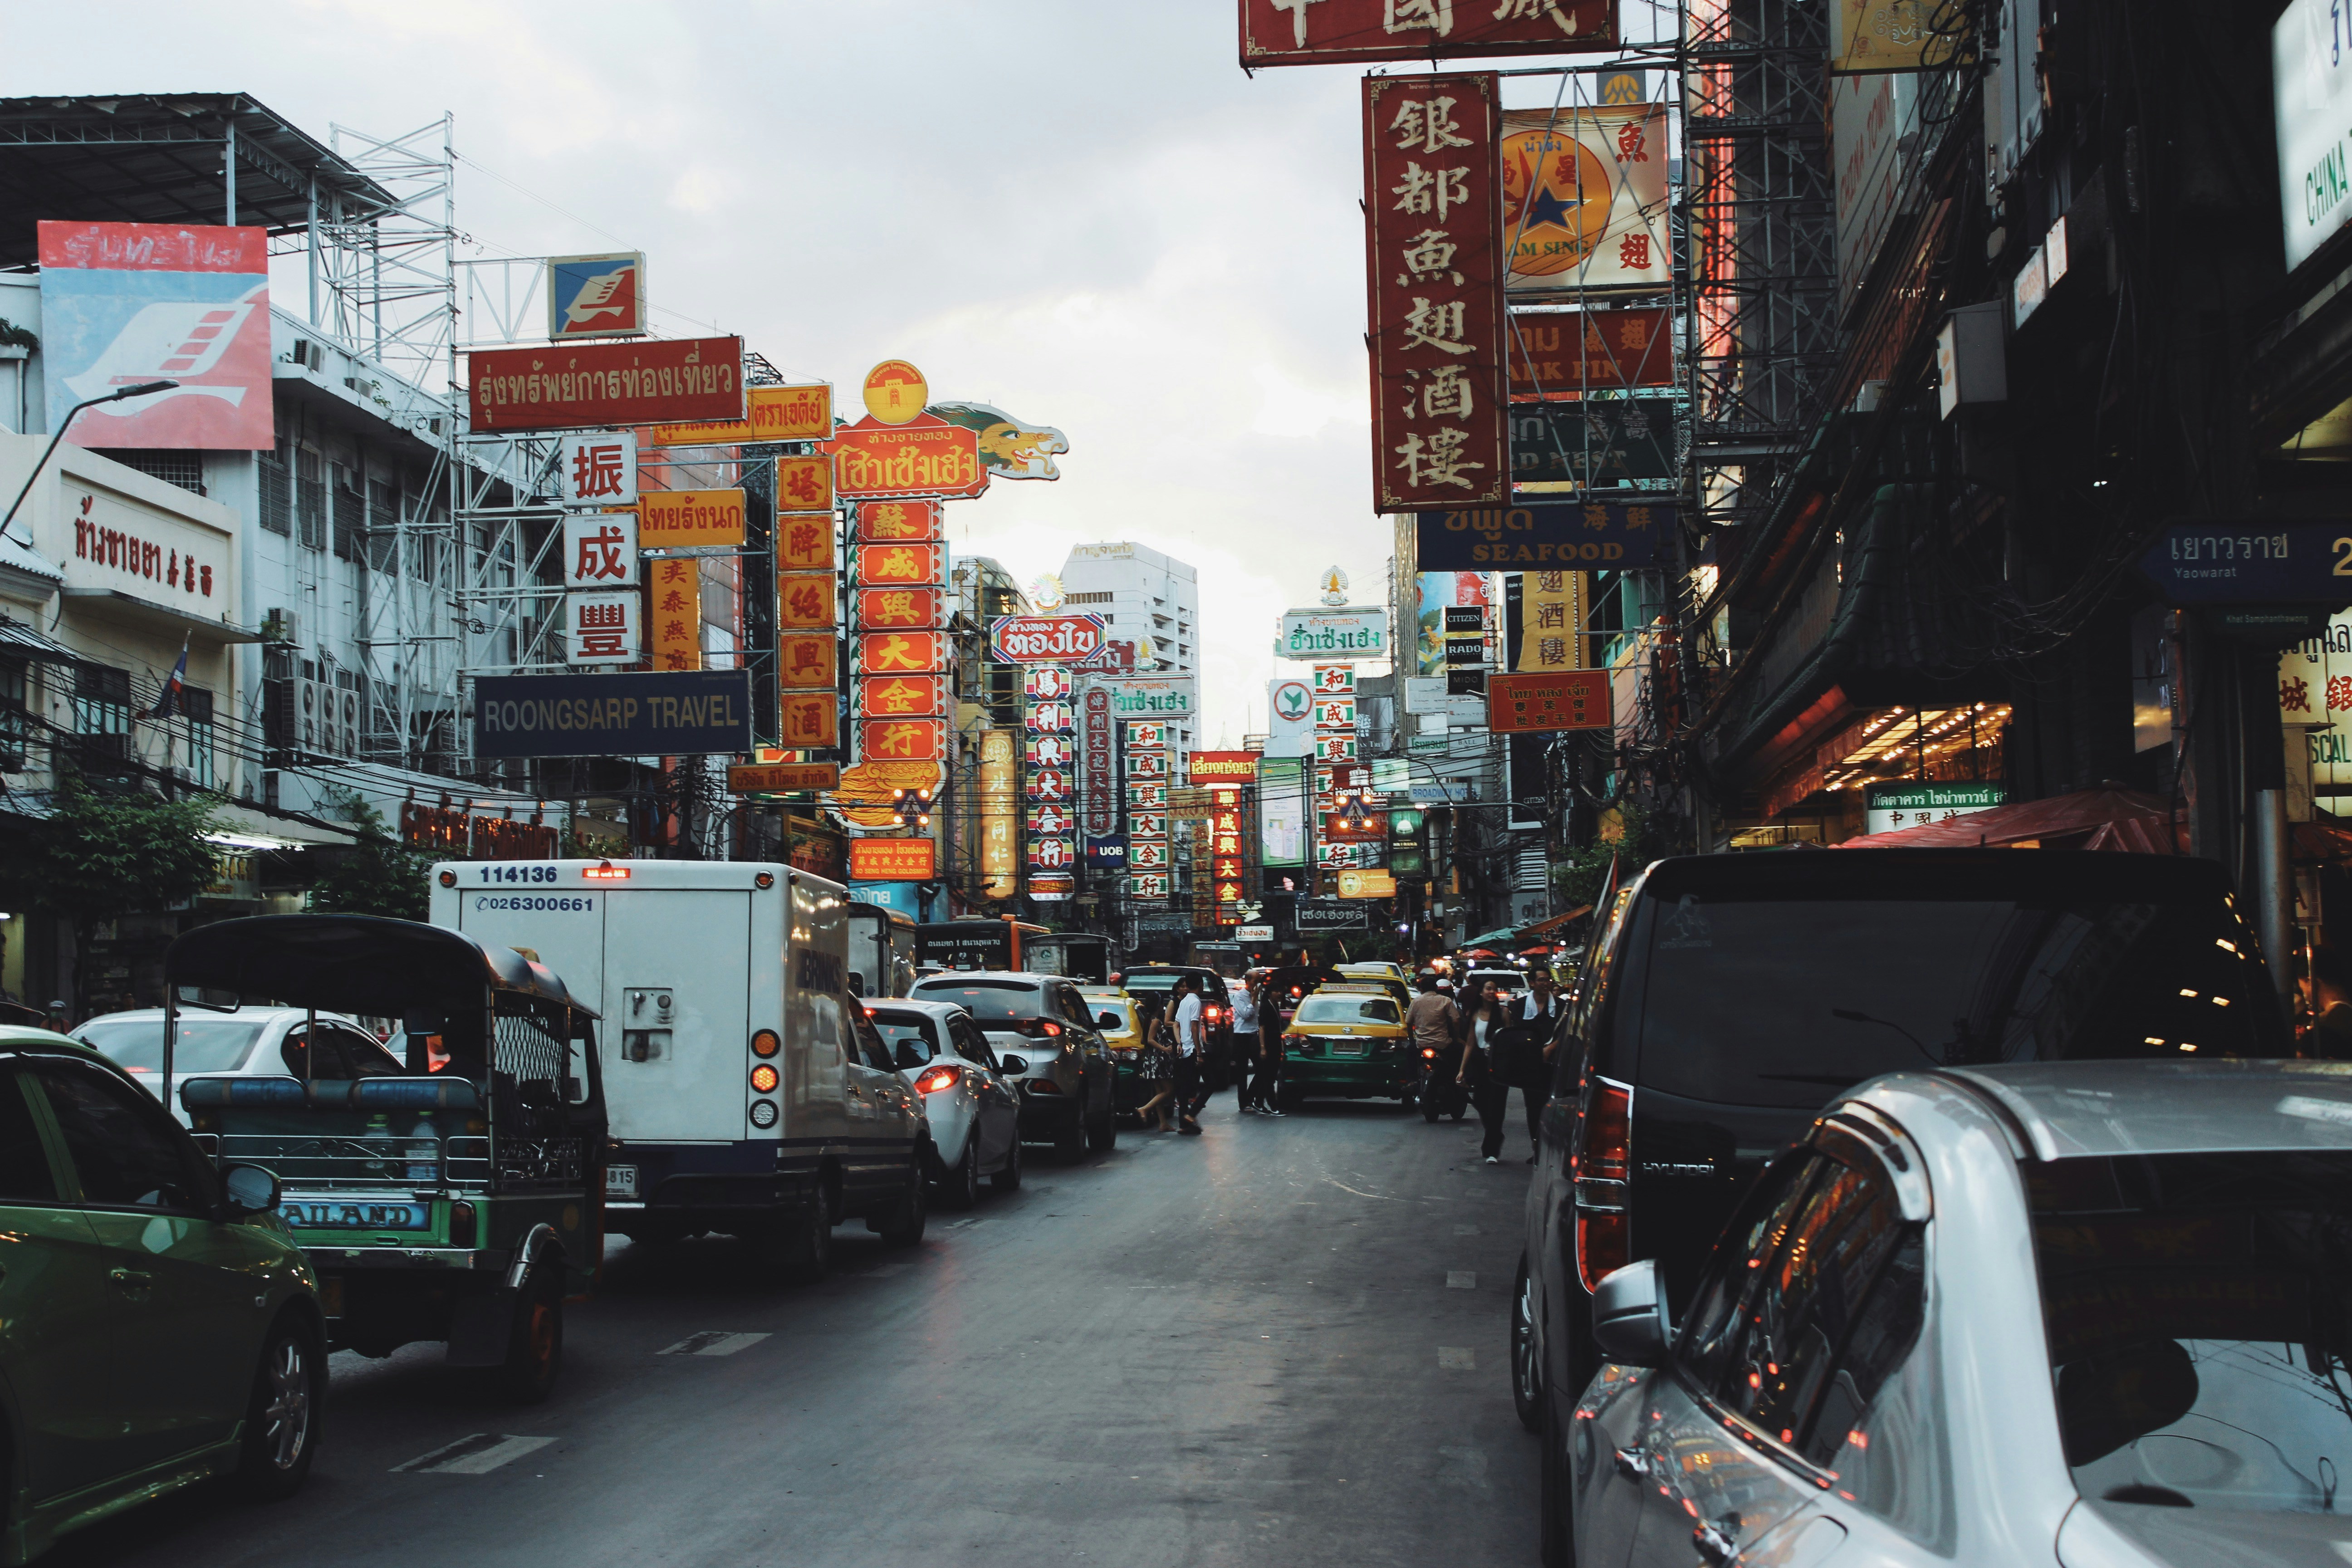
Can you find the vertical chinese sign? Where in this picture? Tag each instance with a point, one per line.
(807, 633)
(1098, 798)
(1433, 248)
(1228, 869)
(1050, 779)
(1149, 855)
(601, 585)
(1338, 774)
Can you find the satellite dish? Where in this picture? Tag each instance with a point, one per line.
(1047, 593)
(1335, 585)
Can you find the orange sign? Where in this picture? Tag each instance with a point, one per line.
(1363, 884)
(780, 778)
(928, 457)
(904, 739)
(893, 859)
(806, 659)
(895, 392)
(902, 653)
(811, 719)
(805, 543)
(678, 520)
(910, 566)
(803, 484)
(909, 607)
(776, 413)
(906, 697)
(803, 600)
(881, 521)
(1553, 700)
(675, 590)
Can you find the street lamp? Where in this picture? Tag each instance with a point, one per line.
(141, 390)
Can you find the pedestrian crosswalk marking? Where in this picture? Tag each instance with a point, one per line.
(1461, 1279)
(713, 1342)
(1457, 1358)
(473, 1456)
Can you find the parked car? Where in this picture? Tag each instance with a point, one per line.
(1122, 1025)
(1347, 1041)
(974, 1110)
(253, 1042)
(2061, 1312)
(1731, 996)
(161, 1325)
(1159, 981)
(1047, 1041)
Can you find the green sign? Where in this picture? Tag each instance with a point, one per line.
(1898, 805)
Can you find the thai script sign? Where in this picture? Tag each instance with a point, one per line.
(893, 859)
(1045, 639)
(1210, 767)
(572, 385)
(1571, 352)
(2250, 564)
(629, 715)
(679, 519)
(928, 457)
(1334, 633)
(782, 778)
(1134, 695)
(774, 413)
(1607, 534)
(115, 538)
(1595, 441)
(1352, 32)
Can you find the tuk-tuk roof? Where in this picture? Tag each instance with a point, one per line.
(356, 963)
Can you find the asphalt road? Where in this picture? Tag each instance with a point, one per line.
(1281, 1342)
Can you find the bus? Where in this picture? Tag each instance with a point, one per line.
(975, 944)
(1084, 956)
(1225, 957)
(881, 951)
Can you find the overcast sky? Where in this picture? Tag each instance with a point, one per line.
(1083, 213)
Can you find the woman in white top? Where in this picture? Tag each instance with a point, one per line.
(1482, 1013)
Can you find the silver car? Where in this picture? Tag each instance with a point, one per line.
(250, 1042)
(974, 1111)
(1051, 1050)
(2083, 1313)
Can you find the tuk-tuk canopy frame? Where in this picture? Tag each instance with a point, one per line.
(366, 964)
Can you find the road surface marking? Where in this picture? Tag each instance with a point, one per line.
(958, 1225)
(1457, 1358)
(1461, 1279)
(713, 1342)
(475, 1455)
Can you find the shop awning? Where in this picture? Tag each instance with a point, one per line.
(245, 827)
(2104, 818)
(1554, 923)
(160, 617)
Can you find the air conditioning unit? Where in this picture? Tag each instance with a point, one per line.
(281, 626)
(309, 353)
(330, 720)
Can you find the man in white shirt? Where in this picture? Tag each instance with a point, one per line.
(1242, 1048)
(1191, 1046)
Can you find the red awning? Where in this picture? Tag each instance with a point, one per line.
(2104, 818)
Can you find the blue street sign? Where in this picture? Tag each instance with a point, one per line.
(2268, 562)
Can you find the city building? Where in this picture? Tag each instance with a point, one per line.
(1139, 592)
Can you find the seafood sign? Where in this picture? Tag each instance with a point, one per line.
(1045, 639)
(926, 456)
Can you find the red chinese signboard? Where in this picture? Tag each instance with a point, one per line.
(902, 653)
(926, 456)
(806, 659)
(887, 521)
(1555, 700)
(1571, 352)
(1433, 242)
(905, 696)
(1045, 639)
(910, 608)
(1099, 778)
(903, 740)
(893, 859)
(895, 565)
(587, 385)
(1364, 32)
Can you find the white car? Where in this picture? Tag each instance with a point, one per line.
(252, 1042)
(2075, 1313)
(974, 1110)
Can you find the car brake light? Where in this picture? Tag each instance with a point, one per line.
(1430, 1052)
(1039, 1028)
(933, 1079)
(607, 872)
(1600, 1161)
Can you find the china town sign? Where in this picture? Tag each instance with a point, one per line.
(1045, 639)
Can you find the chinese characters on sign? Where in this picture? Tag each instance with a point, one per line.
(600, 550)
(901, 680)
(602, 628)
(1563, 700)
(804, 484)
(1354, 32)
(1551, 621)
(1098, 779)
(675, 606)
(1433, 235)
(1584, 195)
(598, 468)
(1613, 534)
(1147, 849)
(893, 521)
(1051, 759)
(1567, 354)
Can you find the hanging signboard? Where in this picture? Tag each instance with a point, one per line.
(1870, 35)
(809, 719)
(889, 521)
(772, 414)
(1367, 884)
(1554, 700)
(1433, 237)
(683, 520)
(1584, 199)
(1364, 32)
(599, 468)
(1595, 442)
(1098, 782)
(804, 543)
(574, 385)
(602, 628)
(804, 600)
(600, 550)
(1334, 633)
(804, 484)
(1147, 884)
(903, 740)
(1567, 354)
(1043, 639)
(1162, 695)
(675, 595)
(902, 653)
(601, 296)
(904, 696)
(626, 715)
(1220, 767)
(782, 778)
(1056, 717)
(807, 660)
(893, 565)
(2264, 563)
(1889, 806)
(1335, 680)
(926, 456)
(893, 859)
(1610, 534)
(1551, 615)
(910, 608)
(1000, 822)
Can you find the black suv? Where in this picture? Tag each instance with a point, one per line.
(1730, 997)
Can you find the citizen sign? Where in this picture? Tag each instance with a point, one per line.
(1046, 639)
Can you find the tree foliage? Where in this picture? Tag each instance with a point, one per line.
(99, 855)
(380, 876)
(1578, 878)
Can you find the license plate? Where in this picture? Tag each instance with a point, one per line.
(354, 1213)
(1349, 1048)
(620, 1181)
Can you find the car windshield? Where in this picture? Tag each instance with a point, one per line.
(204, 1045)
(1150, 980)
(1346, 1010)
(911, 1027)
(989, 1001)
(2198, 1312)
(1780, 1002)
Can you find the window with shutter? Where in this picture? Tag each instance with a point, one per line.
(277, 492)
(310, 497)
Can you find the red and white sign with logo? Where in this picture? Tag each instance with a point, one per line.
(1045, 639)
(1046, 683)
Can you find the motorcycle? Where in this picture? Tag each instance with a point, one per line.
(1440, 1094)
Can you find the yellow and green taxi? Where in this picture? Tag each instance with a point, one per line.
(1122, 1031)
(1347, 1041)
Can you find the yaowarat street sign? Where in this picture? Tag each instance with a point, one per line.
(893, 859)
(569, 386)
(774, 413)
(1551, 699)
(1433, 247)
(782, 778)
(1045, 639)
(1360, 32)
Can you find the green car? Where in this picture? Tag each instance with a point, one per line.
(158, 1324)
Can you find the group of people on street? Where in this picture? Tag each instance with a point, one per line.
(1487, 1044)
(1180, 1054)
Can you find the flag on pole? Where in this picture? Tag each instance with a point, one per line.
(167, 701)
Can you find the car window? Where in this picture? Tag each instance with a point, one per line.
(972, 1046)
(125, 1151)
(1073, 1006)
(870, 1049)
(204, 1045)
(366, 1058)
(330, 1063)
(1348, 1010)
(989, 1001)
(911, 1037)
(25, 1174)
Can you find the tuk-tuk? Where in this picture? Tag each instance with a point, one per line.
(461, 1200)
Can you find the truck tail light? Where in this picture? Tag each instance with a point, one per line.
(1601, 1160)
(942, 1076)
(764, 1079)
(765, 1043)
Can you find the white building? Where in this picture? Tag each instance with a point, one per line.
(1139, 592)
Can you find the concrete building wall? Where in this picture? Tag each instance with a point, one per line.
(1138, 590)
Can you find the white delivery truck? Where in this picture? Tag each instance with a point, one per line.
(745, 1090)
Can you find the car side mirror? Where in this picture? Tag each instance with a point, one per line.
(1011, 1063)
(247, 1190)
(1629, 1315)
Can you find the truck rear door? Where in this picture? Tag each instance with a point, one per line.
(677, 1028)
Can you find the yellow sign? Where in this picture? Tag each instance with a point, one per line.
(676, 587)
(868, 792)
(895, 392)
(678, 520)
(1869, 36)
(1361, 884)
(1551, 620)
(999, 816)
(775, 414)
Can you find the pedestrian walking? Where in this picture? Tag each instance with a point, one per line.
(1242, 1047)
(1482, 1015)
(1520, 1052)
(1266, 1087)
(1155, 1064)
(1191, 1055)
